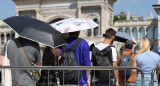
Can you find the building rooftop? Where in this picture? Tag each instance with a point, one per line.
(156, 8)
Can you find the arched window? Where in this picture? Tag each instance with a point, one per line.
(89, 32)
(127, 31)
(120, 30)
(155, 32)
(149, 33)
(8, 36)
(2, 38)
(96, 28)
(13, 36)
(135, 33)
(136, 48)
(142, 32)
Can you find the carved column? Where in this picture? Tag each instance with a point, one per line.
(124, 29)
(0, 39)
(138, 35)
(5, 37)
(37, 13)
(79, 11)
(11, 35)
(102, 22)
(159, 28)
(92, 32)
(145, 29)
(17, 12)
(131, 30)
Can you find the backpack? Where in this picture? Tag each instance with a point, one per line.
(103, 58)
(68, 59)
(125, 61)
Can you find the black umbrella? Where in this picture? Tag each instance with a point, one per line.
(122, 37)
(35, 30)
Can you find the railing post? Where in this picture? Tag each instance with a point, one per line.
(48, 77)
(152, 77)
(109, 79)
(125, 79)
(63, 77)
(94, 77)
(142, 77)
(78, 78)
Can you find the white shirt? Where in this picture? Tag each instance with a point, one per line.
(101, 46)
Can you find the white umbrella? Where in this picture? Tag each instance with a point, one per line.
(74, 24)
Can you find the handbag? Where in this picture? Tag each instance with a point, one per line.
(34, 73)
(6, 73)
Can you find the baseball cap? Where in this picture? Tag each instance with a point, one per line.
(128, 44)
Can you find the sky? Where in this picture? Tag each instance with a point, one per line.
(7, 9)
(135, 7)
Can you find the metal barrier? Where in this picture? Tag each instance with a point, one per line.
(152, 76)
(78, 68)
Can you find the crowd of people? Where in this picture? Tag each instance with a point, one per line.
(103, 54)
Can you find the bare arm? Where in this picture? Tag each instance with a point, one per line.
(1, 58)
(158, 72)
(134, 70)
(88, 77)
(159, 64)
(116, 73)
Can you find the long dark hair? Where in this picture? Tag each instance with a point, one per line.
(50, 58)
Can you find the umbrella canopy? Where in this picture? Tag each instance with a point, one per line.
(122, 37)
(35, 30)
(74, 24)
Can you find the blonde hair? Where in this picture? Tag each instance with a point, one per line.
(144, 45)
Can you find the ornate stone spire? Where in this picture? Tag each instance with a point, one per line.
(128, 16)
(151, 15)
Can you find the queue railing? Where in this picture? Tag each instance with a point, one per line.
(155, 70)
(93, 68)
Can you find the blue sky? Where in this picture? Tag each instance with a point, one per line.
(7, 9)
(135, 7)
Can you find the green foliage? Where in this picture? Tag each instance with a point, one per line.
(115, 18)
(122, 18)
(119, 18)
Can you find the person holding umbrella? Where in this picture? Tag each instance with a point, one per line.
(32, 51)
(82, 51)
(25, 51)
(82, 55)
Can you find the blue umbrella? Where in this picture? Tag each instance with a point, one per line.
(122, 37)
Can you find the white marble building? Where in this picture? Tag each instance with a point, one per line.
(101, 11)
(51, 11)
(139, 29)
(5, 34)
(157, 9)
